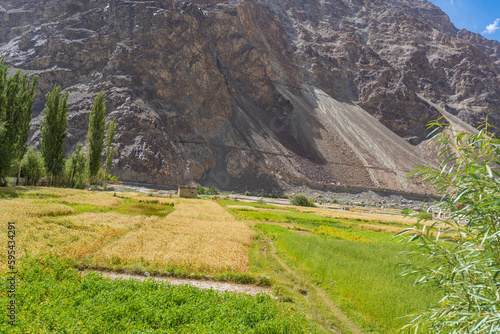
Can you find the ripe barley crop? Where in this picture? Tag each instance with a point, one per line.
(198, 236)
(99, 230)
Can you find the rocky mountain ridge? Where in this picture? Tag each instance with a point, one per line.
(256, 94)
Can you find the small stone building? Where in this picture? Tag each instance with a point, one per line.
(188, 192)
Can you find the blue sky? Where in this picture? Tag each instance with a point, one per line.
(480, 16)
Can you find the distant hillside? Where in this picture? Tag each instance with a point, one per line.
(258, 94)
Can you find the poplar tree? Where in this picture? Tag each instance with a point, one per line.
(54, 132)
(4, 154)
(95, 137)
(76, 165)
(110, 149)
(26, 97)
(16, 104)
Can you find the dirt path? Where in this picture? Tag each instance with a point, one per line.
(336, 311)
(217, 286)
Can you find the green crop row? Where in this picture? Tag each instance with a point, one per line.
(51, 297)
(363, 278)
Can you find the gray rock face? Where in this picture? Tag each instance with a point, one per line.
(257, 94)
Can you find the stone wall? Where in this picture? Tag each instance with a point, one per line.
(188, 192)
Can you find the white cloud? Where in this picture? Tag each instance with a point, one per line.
(452, 2)
(490, 29)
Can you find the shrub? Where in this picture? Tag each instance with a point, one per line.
(212, 191)
(302, 200)
(201, 190)
(247, 193)
(33, 167)
(465, 267)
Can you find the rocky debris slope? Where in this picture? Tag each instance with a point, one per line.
(248, 94)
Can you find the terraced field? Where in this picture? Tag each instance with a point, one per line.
(339, 267)
(128, 231)
(328, 270)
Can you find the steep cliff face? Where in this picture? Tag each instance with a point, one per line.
(256, 94)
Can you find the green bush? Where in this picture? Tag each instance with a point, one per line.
(302, 200)
(201, 190)
(212, 191)
(247, 193)
(33, 167)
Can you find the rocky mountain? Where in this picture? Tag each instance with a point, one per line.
(251, 94)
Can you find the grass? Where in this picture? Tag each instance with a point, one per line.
(374, 218)
(310, 218)
(361, 277)
(53, 298)
(338, 233)
(226, 202)
(295, 293)
(352, 258)
(285, 216)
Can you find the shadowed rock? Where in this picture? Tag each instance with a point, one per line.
(257, 94)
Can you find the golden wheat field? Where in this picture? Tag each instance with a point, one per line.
(98, 230)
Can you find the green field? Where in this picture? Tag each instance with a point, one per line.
(54, 298)
(358, 269)
(361, 277)
(326, 270)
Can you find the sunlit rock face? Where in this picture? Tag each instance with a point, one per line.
(257, 94)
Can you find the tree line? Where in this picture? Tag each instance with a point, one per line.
(82, 167)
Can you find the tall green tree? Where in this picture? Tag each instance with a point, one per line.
(95, 137)
(26, 97)
(4, 155)
(17, 94)
(54, 133)
(75, 167)
(110, 149)
(461, 255)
